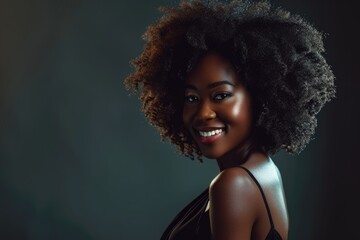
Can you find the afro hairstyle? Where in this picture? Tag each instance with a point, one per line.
(278, 56)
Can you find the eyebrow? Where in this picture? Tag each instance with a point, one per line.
(211, 85)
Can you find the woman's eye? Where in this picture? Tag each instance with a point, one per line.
(190, 98)
(221, 96)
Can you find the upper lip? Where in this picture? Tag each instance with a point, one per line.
(206, 129)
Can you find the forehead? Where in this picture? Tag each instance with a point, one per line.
(212, 68)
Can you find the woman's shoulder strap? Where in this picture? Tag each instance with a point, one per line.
(262, 193)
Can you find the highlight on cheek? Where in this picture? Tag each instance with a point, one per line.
(239, 106)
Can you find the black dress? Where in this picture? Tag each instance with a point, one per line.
(193, 223)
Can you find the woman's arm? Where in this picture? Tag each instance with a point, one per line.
(233, 205)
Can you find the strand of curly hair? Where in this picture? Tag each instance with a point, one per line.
(278, 55)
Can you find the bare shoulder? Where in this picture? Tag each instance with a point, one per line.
(232, 181)
(233, 204)
(269, 179)
(237, 207)
(235, 179)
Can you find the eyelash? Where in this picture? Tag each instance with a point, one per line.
(224, 93)
(218, 100)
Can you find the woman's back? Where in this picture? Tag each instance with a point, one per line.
(194, 221)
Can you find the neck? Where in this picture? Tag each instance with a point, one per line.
(235, 157)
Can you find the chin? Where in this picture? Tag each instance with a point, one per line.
(211, 154)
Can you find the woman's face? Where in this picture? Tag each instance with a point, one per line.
(217, 107)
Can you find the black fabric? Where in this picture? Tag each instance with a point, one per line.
(273, 234)
(193, 223)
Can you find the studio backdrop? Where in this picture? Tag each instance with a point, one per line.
(78, 159)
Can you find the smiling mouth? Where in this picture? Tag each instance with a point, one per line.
(210, 133)
(209, 136)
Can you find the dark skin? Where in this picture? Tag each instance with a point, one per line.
(216, 102)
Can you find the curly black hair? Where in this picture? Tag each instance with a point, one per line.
(278, 55)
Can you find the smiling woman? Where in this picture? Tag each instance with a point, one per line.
(235, 82)
(217, 107)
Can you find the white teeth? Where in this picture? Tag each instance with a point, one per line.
(210, 133)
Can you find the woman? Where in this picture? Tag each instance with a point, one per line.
(235, 82)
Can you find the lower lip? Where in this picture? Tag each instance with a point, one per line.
(210, 139)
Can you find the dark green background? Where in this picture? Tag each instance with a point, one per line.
(79, 161)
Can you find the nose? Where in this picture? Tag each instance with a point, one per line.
(205, 112)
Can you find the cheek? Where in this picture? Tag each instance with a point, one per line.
(237, 108)
(238, 111)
